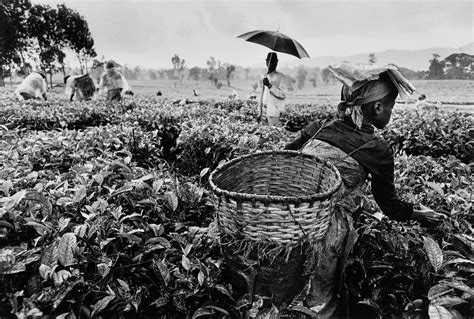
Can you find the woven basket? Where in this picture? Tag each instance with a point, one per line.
(275, 196)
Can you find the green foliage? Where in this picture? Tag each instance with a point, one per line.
(301, 77)
(372, 58)
(109, 207)
(76, 33)
(228, 73)
(194, 73)
(436, 69)
(432, 133)
(459, 66)
(41, 32)
(178, 67)
(13, 34)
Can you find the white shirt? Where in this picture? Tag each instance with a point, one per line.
(34, 85)
(274, 98)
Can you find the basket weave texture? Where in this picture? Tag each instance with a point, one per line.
(275, 196)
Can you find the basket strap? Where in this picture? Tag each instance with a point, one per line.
(218, 218)
(342, 159)
(325, 124)
(297, 223)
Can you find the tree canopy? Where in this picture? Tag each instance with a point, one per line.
(41, 34)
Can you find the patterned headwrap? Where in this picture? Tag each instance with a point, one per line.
(365, 83)
(372, 91)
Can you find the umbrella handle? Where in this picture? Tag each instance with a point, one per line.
(261, 102)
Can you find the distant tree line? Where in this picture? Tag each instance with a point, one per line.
(41, 35)
(456, 66)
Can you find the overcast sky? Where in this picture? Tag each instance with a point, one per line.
(149, 32)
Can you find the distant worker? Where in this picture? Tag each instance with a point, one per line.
(32, 87)
(273, 95)
(423, 104)
(80, 86)
(114, 82)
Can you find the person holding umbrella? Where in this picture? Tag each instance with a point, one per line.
(271, 92)
(273, 95)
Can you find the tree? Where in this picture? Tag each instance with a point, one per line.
(372, 58)
(13, 35)
(129, 73)
(327, 76)
(436, 69)
(313, 76)
(301, 77)
(213, 71)
(76, 34)
(289, 81)
(211, 63)
(178, 67)
(152, 74)
(49, 38)
(194, 73)
(228, 74)
(459, 66)
(247, 73)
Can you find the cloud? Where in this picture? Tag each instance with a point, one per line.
(149, 32)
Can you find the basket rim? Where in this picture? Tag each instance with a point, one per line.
(275, 198)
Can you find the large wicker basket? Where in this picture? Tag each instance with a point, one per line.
(277, 197)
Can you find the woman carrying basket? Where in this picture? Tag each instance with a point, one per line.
(349, 142)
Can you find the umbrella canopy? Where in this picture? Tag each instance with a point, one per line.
(276, 41)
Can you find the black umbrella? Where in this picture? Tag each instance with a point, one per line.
(276, 41)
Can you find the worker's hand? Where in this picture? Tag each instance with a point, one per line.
(428, 217)
(266, 82)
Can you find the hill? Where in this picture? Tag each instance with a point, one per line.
(417, 60)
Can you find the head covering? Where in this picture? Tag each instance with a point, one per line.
(367, 83)
(272, 57)
(351, 101)
(110, 65)
(40, 72)
(357, 75)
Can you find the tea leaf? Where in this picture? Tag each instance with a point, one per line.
(436, 187)
(185, 262)
(434, 252)
(461, 286)
(438, 290)
(448, 301)
(50, 255)
(163, 270)
(124, 285)
(101, 305)
(202, 312)
(80, 194)
(157, 185)
(12, 201)
(172, 200)
(67, 245)
(201, 278)
(439, 312)
(223, 290)
(45, 271)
